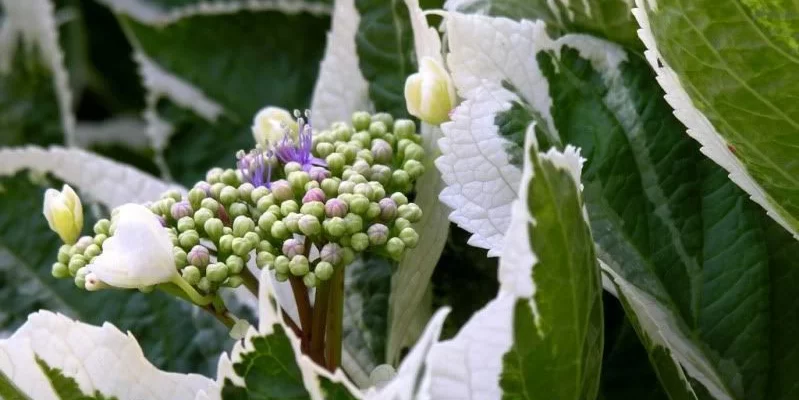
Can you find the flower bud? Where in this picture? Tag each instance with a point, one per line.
(228, 195)
(348, 151)
(204, 285)
(359, 241)
(357, 179)
(388, 209)
(181, 259)
(245, 190)
(414, 152)
(161, 220)
(265, 202)
(264, 258)
(414, 168)
(241, 247)
(213, 175)
(189, 239)
(292, 247)
(242, 225)
(347, 255)
(380, 173)
(400, 179)
(342, 132)
(325, 149)
(264, 245)
(191, 274)
(395, 247)
(410, 237)
(172, 194)
(282, 191)
(195, 196)
(216, 189)
(75, 263)
(64, 213)
(429, 93)
(309, 280)
(292, 166)
(80, 246)
(201, 216)
(292, 222)
(204, 186)
(335, 162)
(400, 224)
(80, 277)
(335, 208)
(385, 118)
(238, 209)
(314, 208)
(233, 282)
(318, 174)
(344, 240)
(280, 277)
(404, 128)
(198, 256)
(361, 120)
(59, 270)
(63, 253)
(266, 220)
(91, 251)
(297, 180)
(354, 223)
(314, 195)
(359, 203)
(330, 187)
(210, 205)
(335, 227)
(346, 187)
(184, 224)
(378, 234)
(299, 265)
(410, 211)
(345, 197)
(234, 264)
(324, 270)
(181, 209)
(309, 225)
(226, 244)
(378, 192)
(101, 226)
(377, 129)
(382, 152)
(289, 206)
(253, 238)
(361, 167)
(216, 272)
(312, 184)
(399, 198)
(279, 230)
(362, 137)
(230, 178)
(282, 265)
(258, 193)
(331, 253)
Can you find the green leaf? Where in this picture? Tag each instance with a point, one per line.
(64, 386)
(730, 87)
(173, 334)
(385, 50)
(610, 19)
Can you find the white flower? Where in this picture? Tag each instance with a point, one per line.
(267, 127)
(64, 213)
(139, 254)
(429, 93)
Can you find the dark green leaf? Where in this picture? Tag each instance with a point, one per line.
(64, 386)
(367, 285)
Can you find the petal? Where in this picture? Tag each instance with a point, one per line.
(50, 197)
(413, 95)
(75, 205)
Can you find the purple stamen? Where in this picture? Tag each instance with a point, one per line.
(287, 150)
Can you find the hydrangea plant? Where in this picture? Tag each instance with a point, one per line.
(484, 199)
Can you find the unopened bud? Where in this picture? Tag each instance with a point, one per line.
(314, 195)
(297, 180)
(257, 193)
(201, 216)
(184, 224)
(75, 263)
(299, 265)
(253, 238)
(241, 246)
(80, 277)
(361, 120)
(309, 225)
(102, 226)
(315, 208)
(395, 247)
(331, 253)
(281, 190)
(346, 187)
(382, 152)
(324, 270)
(63, 253)
(400, 178)
(292, 247)
(335, 208)
(388, 209)
(289, 206)
(335, 162)
(378, 234)
(309, 280)
(216, 272)
(377, 129)
(237, 209)
(292, 222)
(181, 259)
(318, 174)
(399, 198)
(198, 256)
(359, 203)
(335, 227)
(242, 225)
(378, 192)
(265, 202)
(214, 175)
(325, 149)
(234, 264)
(264, 258)
(410, 211)
(229, 177)
(81, 245)
(191, 274)
(380, 173)
(91, 251)
(213, 228)
(282, 264)
(59, 270)
(210, 205)
(414, 168)
(195, 196)
(354, 223)
(279, 230)
(216, 189)
(228, 195)
(404, 128)
(226, 244)
(266, 220)
(329, 186)
(189, 239)
(359, 241)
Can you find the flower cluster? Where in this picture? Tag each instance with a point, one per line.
(303, 205)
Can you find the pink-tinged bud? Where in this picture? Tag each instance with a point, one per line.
(319, 174)
(204, 186)
(292, 247)
(314, 194)
(198, 256)
(331, 253)
(335, 208)
(382, 151)
(181, 209)
(388, 209)
(281, 190)
(378, 234)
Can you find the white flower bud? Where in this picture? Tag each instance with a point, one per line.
(429, 93)
(64, 213)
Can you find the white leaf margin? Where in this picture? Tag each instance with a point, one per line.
(340, 88)
(98, 358)
(146, 12)
(34, 21)
(101, 179)
(698, 126)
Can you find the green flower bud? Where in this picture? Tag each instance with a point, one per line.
(186, 224)
(378, 234)
(347, 256)
(181, 259)
(238, 209)
(377, 129)
(217, 272)
(213, 228)
(282, 265)
(391, 139)
(59, 270)
(348, 151)
(354, 223)
(264, 258)
(292, 247)
(309, 225)
(210, 205)
(191, 274)
(359, 203)
(378, 192)
(257, 193)
(410, 237)
(92, 251)
(373, 211)
(299, 265)
(233, 281)
(234, 264)
(309, 280)
(265, 202)
(344, 240)
(245, 190)
(382, 151)
(394, 247)
(325, 149)
(266, 220)
(346, 187)
(345, 197)
(330, 187)
(365, 155)
(410, 211)
(388, 209)
(173, 194)
(324, 270)
(335, 227)
(80, 277)
(315, 208)
(216, 189)
(361, 120)
(291, 166)
(195, 196)
(204, 285)
(414, 151)
(201, 216)
(381, 174)
(361, 167)
(75, 263)
(414, 168)
(292, 222)
(298, 179)
(362, 137)
(242, 225)
(281, 190)
(400, 178)
(399, 198)
(228, 195)
(400, 224)
(101, 226)
(173, 236)
(357, 179)
(198, 256)
(331, 253)
(253, 238)
(189, 239)
(214, 175)
(226, 244)
(229, 177)
(342, 133)
(311, 185)
(279, 230)
(359, 241)
(63, 252)
(181, 209)
(264, 245)
(335, 208)
(281, 277)
(404, 128)
(335, 163)
(241, 246)
(385, 118)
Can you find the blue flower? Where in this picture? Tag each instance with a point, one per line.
(299, 151)
(255, 167)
